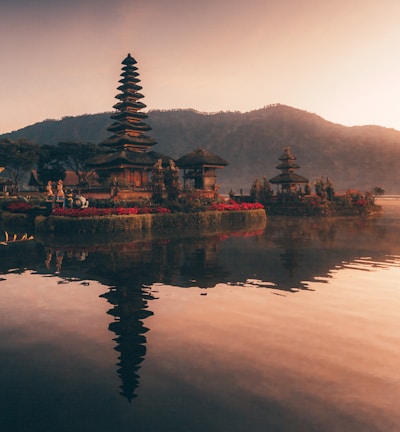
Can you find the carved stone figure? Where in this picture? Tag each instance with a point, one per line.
(60, 193)
(49, 189)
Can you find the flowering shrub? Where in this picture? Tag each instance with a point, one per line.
(360, 203)
(19, 207)
(119, 211)
(355, 198)
(234, 206)
(94, 211)
(312, 200)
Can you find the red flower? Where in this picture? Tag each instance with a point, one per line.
(119, 211)
(234, 206)
(19, 207)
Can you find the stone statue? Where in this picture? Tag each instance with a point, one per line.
(60, 193)
(158, 164)
(172, 165)
(49, 189)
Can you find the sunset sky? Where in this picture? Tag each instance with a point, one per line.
(339, 59)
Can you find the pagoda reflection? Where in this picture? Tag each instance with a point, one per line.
(129, 310)
(285, 256)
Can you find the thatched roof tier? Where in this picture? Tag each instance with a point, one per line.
(129, 60)
(288, 165)
(127, 158)
(126, 140)
(125, 127)
(129, 103)
(200, 157)
(287, 155)
(130, 70)
(288, 178)
(130, 88)
(128, 115)
(129, 96)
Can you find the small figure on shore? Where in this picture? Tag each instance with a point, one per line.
(60, 194)
(80, 202)
(49, 189)
(69, 201)
(320, 188)
(114, 188)
(330, 192)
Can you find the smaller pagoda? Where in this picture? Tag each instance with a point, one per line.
(288, 180)
(199, 171)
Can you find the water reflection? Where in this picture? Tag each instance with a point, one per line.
(129, 310)
(285, 257)
(288, 254)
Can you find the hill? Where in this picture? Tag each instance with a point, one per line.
(359, 157)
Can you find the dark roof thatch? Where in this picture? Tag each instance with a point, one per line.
(287, 155)
(33, 180)
(120, 141)
(200, 157)
(126, 157)
(129, 60)
(288, 178)
(121, 128)
(287, 165)
(137, 105)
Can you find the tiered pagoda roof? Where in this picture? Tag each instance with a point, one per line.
(129, 145)
(288, 166)
(128, 127)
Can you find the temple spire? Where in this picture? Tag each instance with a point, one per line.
(288, 179)
(127, 160)
(128, 127)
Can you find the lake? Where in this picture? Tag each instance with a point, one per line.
(291, 327)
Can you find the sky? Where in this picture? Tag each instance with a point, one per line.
(338, 59)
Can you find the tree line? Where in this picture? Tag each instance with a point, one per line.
(20, 156)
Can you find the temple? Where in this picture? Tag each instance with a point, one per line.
(288, 180)
(127, 164)
(127, 159)
(199, 171)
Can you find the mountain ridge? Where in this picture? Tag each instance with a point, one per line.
(356, 157)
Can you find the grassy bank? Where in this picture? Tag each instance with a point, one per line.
(150, 222)
(17, 223)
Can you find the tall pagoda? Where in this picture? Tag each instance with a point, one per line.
(288, 179)
(127, 159)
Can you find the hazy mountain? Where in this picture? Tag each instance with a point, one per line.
(359, 157)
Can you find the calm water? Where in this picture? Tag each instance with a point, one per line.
(291, 328)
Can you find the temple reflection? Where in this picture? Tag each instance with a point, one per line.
(129, 310)
(285, 256)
